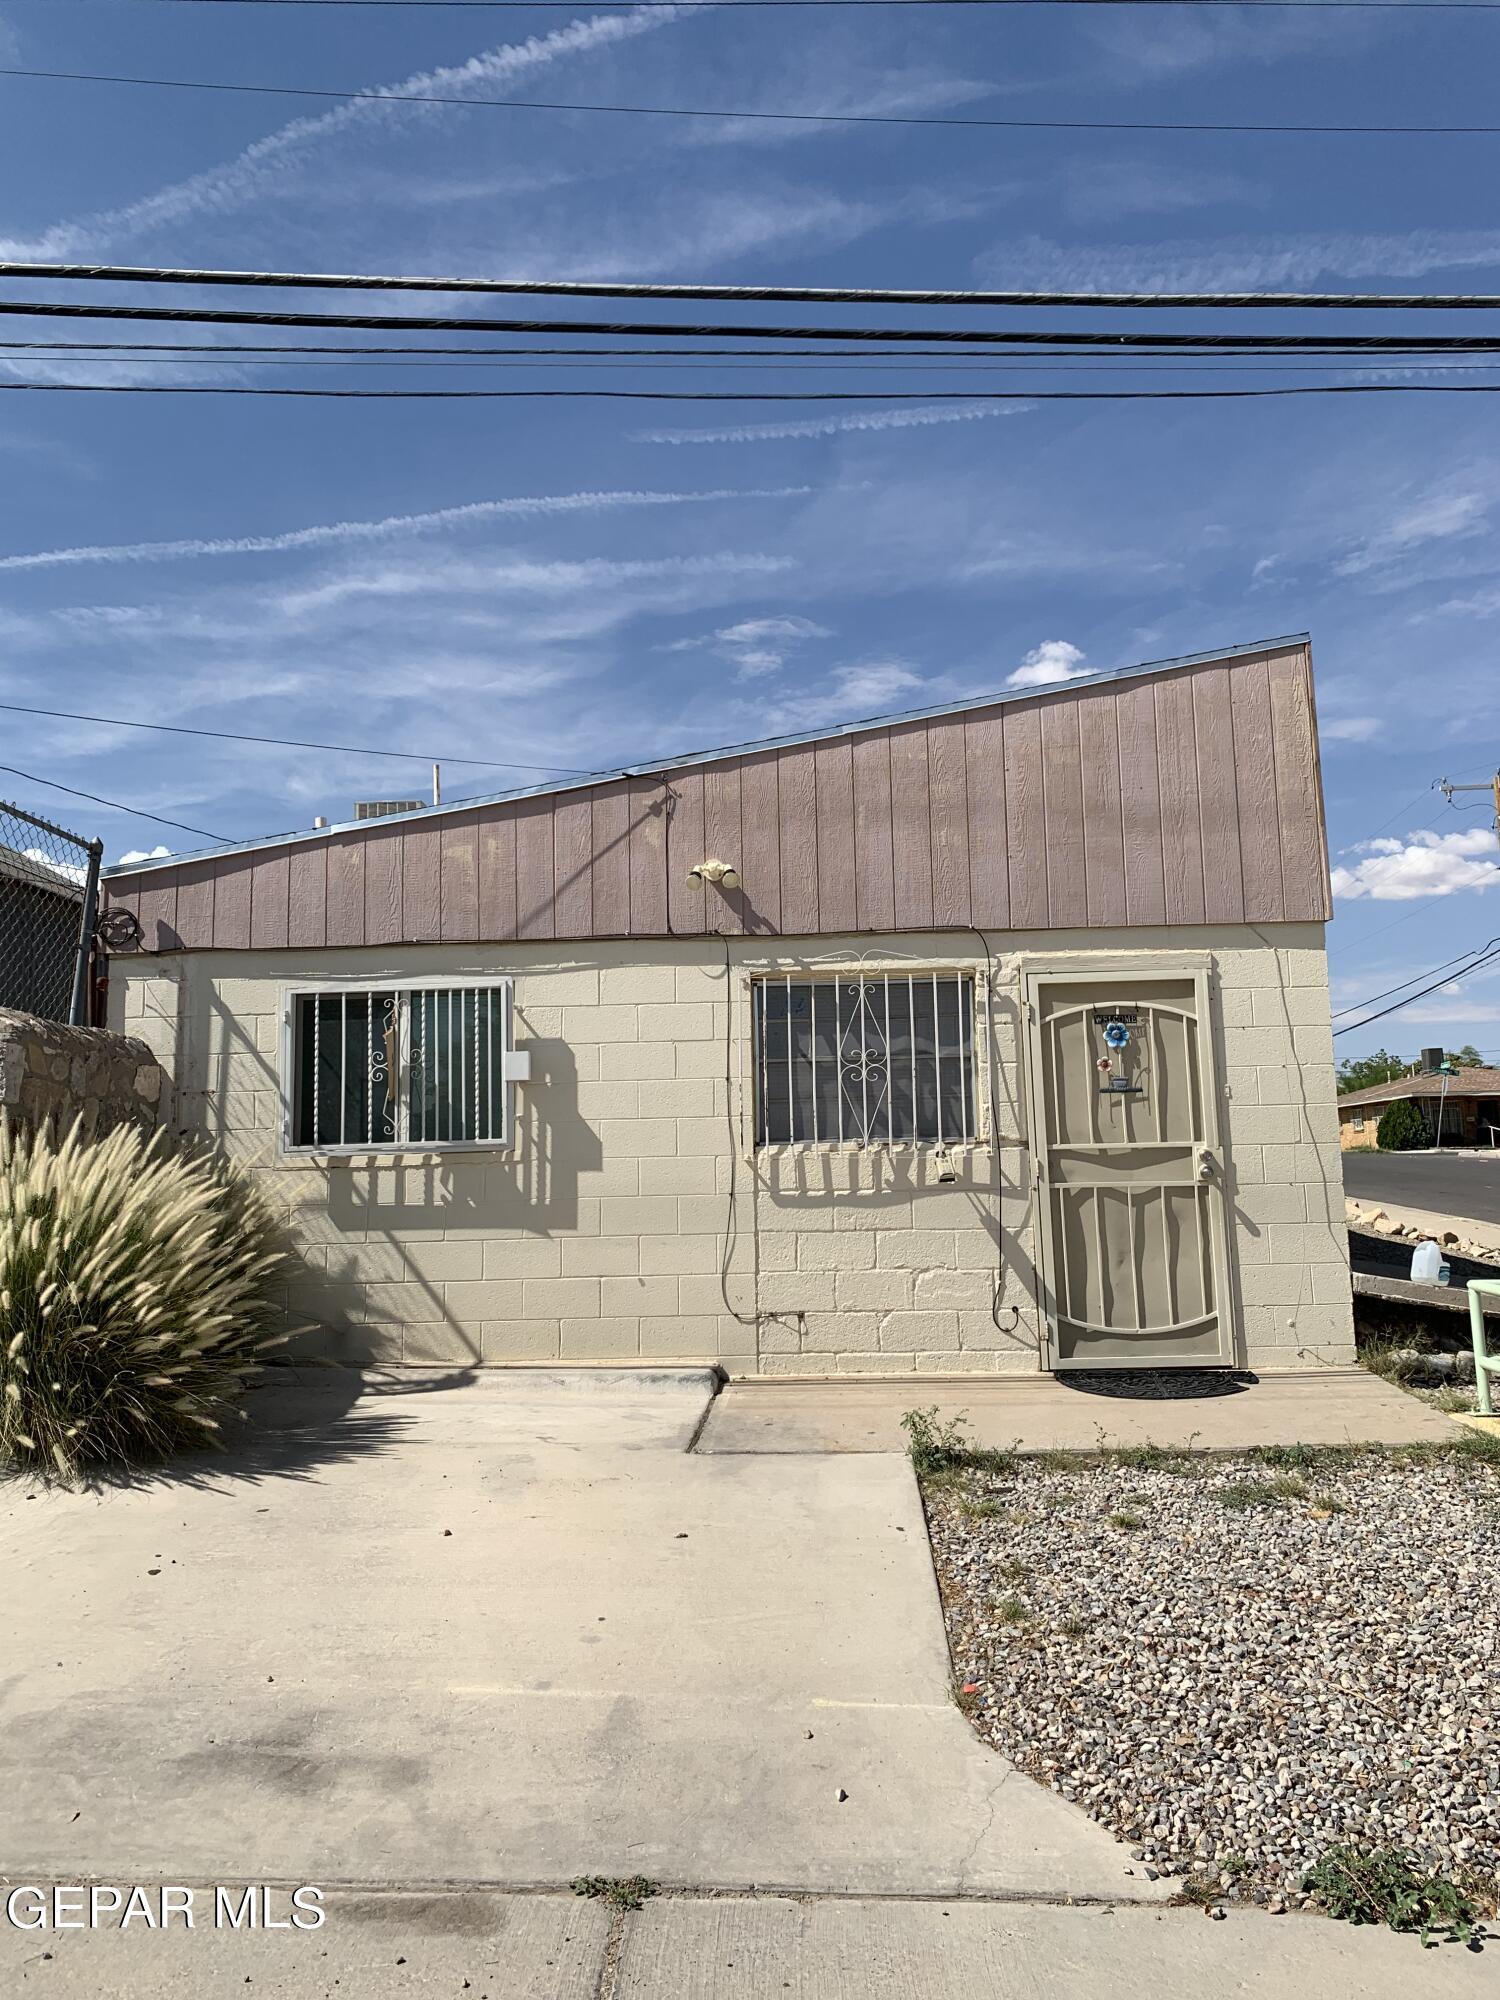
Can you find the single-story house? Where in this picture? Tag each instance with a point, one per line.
(989, 1037)
(1459, 1109)
(41, 909)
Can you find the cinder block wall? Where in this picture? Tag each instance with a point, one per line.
(633, 1221)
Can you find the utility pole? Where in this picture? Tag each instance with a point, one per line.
(1490, 785)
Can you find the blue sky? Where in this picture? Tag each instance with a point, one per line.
(584, 584)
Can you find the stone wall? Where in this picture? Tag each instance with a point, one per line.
(48, 1071)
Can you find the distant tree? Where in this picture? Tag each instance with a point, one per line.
(1402, 1127)
(1468, 1057)
(1359, 1072)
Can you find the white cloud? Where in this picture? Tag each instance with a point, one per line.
(522, 577)
(1237, 263)
(1423, 864)
(1106, 190)
(755, 647)
(1052, 661)
(836, 91)
(1438, 516)
(392, 525)
(812, 427)
(1190, 38)
(71, 870)
(142, 854)
(1352, 728)
(866, 689)
(256, 171)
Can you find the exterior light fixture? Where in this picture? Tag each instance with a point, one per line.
(722, 874)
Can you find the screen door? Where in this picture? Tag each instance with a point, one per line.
(1127, 1172)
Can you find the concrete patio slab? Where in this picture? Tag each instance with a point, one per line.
(742, 1950)
(502, 1634)
(1042, 1412)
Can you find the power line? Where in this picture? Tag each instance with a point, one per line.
(513, 6)
(1411, 998)
(169, 351)
(1355, 1005)
(135, 812)
(759, 117)
(1021, 396)
(985, 337)
(751, 294)
(288, 743)
(984, 367)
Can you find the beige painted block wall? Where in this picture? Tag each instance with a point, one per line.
(606, 1234)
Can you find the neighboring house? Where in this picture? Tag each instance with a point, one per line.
(40, 912)
(1468, 1107)
(776, 1054)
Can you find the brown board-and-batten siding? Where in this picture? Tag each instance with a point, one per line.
(1184, 796)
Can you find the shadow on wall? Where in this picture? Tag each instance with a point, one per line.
(369, 1233)
(905, 1186)
(394, 1271)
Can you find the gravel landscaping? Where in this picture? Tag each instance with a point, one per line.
(1238, 1664)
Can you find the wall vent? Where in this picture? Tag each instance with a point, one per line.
(378, 808)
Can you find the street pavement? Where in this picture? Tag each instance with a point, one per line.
(1455, 1184)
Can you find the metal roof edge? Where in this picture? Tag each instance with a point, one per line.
(654, 766)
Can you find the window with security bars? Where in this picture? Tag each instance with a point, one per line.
(421, 1066)
(883, 1059)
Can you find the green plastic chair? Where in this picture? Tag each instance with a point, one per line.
(1485, 1363)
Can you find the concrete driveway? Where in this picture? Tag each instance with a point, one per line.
(503, 1630)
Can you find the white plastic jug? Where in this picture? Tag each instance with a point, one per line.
(1428, 1266)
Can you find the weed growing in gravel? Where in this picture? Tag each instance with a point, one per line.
(1287, 1486)
(1014, 1572)
(1123, 1518)
(621, 1892)
(1073, 1628)
(1324, 1504)
(981, 1510)
(1054, 1461)
(1382, 1887)
(933, 1445)
(1289, 1457)
(1004, 1461)
(1182, 1464)
(1011, 1611)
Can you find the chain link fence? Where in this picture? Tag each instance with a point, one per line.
(49, 892)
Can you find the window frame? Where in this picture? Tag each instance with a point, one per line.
(514, 1066)
(1359, 1118)
(974, 1083)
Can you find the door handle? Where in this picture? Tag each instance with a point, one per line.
(1206, 1164)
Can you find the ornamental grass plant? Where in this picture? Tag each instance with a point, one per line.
(138, 1289)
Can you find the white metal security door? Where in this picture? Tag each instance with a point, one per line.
(1127, 1172)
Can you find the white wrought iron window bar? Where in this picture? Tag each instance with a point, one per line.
(382, 1069)
(869, 1059)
